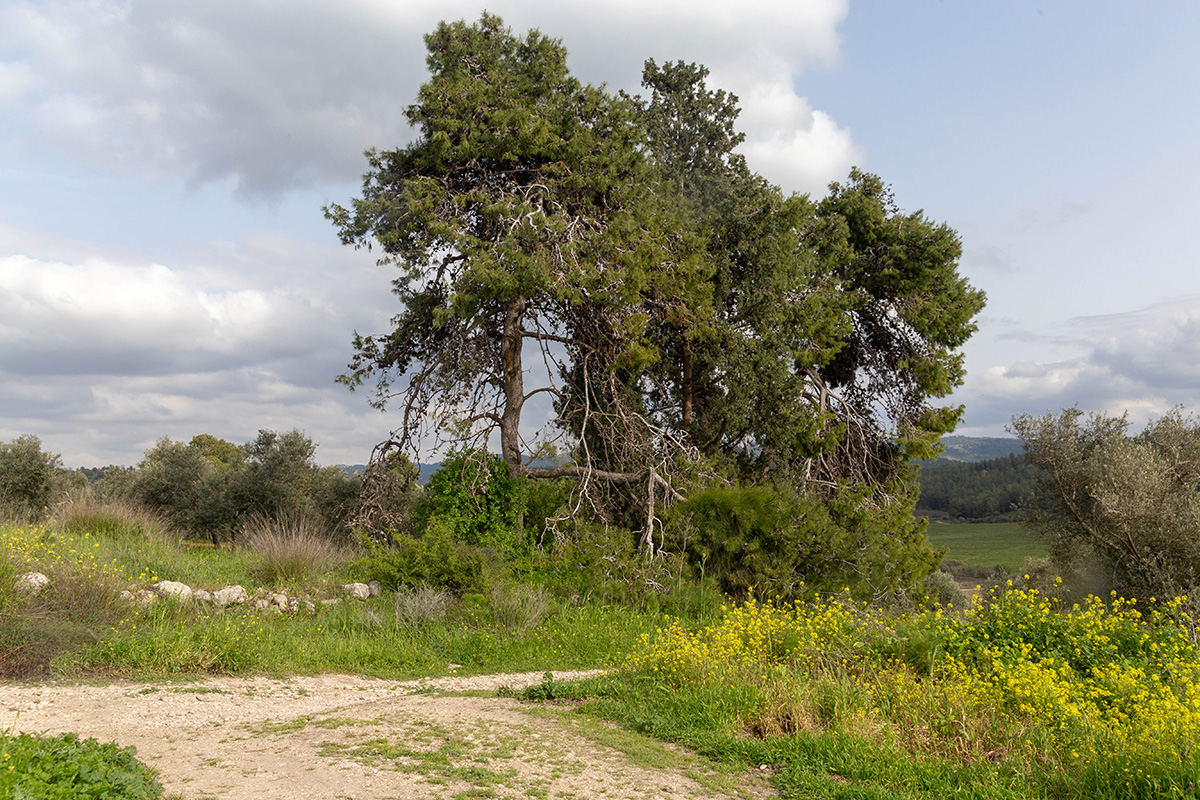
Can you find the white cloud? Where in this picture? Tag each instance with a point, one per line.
(798, 147)
(276, 96)
(1142, 362)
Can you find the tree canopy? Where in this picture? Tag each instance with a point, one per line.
(1121, 511)
(678, 308)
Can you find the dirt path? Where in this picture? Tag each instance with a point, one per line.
(348, 738)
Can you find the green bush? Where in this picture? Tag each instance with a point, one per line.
(476, 500)
(773, 542)
(65, 768)
(435, 559)
(30, 480)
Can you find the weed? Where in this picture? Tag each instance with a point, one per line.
(290, 549)
(421, 605)
(518, 609)
(64, 766)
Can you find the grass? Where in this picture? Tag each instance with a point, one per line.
(988, 544)
(1014, 697)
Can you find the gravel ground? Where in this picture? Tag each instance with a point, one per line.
(351, 738)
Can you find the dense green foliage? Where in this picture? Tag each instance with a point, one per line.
(210, 487)
(1121, 511)
(691, 319)
(982, 490)
(478, 502)
(66, 768)
(771, 542)
(30, 479)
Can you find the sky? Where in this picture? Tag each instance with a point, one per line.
(166, 268)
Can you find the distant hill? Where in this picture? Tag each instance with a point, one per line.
(978, 448)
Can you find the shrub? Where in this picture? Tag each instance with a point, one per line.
(435, 559)
(292, 549)
(519, 609)
(478, 502)
(943, 590)
(65, 768)
(773, 542)
(421, 604)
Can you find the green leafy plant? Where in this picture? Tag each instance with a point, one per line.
(435, 558)
(475, 498)
(67, 768)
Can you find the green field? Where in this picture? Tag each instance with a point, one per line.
(988, 544)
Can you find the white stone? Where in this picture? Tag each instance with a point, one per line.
(375, 587)
(358, 591)
(230, 595)
(31, 583)
(180, 591)
(202, 596)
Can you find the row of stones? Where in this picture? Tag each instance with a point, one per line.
(32, 583)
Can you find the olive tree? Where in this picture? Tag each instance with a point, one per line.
(1132, 501)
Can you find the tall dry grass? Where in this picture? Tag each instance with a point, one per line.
(291, 549)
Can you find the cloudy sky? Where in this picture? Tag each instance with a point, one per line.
(165, 268)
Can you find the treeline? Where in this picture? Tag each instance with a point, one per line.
(981, 490)
(206, 488)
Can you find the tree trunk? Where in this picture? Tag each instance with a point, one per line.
(513, 384)
(687, 385)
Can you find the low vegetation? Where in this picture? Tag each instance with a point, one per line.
(65, 768)
(1016, 695)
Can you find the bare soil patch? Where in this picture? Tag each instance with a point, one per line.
(351, 738)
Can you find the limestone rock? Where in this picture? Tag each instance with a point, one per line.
(359, 591)
(230, 595)
(31, 583)
(202, 596)
(375, 587)
(180, 591)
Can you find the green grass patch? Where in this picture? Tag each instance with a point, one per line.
(987, 544)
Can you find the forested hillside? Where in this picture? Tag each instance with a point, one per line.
(978, 490)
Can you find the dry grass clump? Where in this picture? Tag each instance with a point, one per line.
(520, 609)
(422, 605)
(291, 548)
(112, 517)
